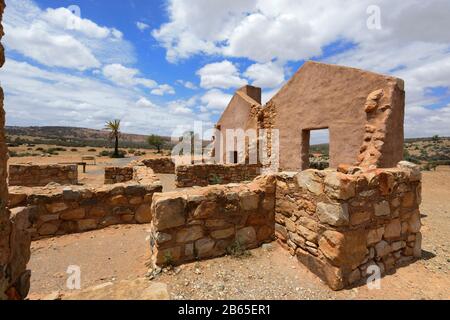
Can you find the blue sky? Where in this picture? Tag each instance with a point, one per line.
(162, 65)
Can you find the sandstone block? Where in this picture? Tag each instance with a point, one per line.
(75, 214)
(382, 249)
(168, 212)
(56, 207)
(143, 214)
(223, 234)
(246, 236)
(249, 201)
(339, 186)
(311, 181)
(382, 209)
(375, 236)
(393, 229)
(189, 234)
(204, 247)
(87, 225)
(333, 214)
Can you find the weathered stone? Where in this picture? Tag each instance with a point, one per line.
(418, 246)
(382, 209)
(216, 223)
(414, 223)
(265, 233)
(309, 223)
(75, 214)
(408, 200)
(307, 234)
(223, 234)
(143, 214)
(414, 170)
(339, 186)
(344, 249)
(56, 207)
(281, 232)
(48, 229)
(249, 201)
(393, 229)
(290, 225)
(97, 212)
(333, 214)
(189, 234)
(354, 276)
(207, 209)
(119, 200)
(136, 200)
(162, 237)
(382, 249)
(246, 236)
(168, 212)
(311, 181)
(204, 247)
(375, 236)
(359, 217)
(87, 225)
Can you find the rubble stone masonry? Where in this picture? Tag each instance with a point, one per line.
(208, 222)
(58, 210)
(118, 174)
(30, 175)
(208, 174)
(161, 165)
(339, 223)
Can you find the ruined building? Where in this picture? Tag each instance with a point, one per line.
(363, 111)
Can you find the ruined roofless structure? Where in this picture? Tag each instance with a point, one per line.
(363, 111)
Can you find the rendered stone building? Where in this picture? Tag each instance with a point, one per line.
(363, 111)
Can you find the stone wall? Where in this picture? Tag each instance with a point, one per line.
(118, 174)
(209, 222)
(31, 175)
(57, 210)
(340, 223)
(208, 174)
(161, 165)
(14, 242)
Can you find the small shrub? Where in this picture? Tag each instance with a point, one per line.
(214, 179)
(92, 150)
(237, 250)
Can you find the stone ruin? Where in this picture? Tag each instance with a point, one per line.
(338, 222)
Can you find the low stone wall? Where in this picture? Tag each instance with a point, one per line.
(209, 222)
(31, 175)
(161, 165)
(57, 210)
(340, 223)
(210, 174)
(118, 174)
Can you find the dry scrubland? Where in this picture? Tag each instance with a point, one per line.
(265, 273)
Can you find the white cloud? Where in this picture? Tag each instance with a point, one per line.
(162, 90)
(187, 84)
(268, 75)
(215, 100)
(142, 26)
(58, 38)
(63, 18)
(223, 75)
(145, 103)
(126, 76)
(34, 96)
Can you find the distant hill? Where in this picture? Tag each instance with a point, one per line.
(73, 137)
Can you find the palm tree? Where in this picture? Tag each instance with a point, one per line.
(114, 127)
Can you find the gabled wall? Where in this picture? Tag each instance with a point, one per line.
(241, 113)
(328, 96)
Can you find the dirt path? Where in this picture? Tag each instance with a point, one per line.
(120, 253)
